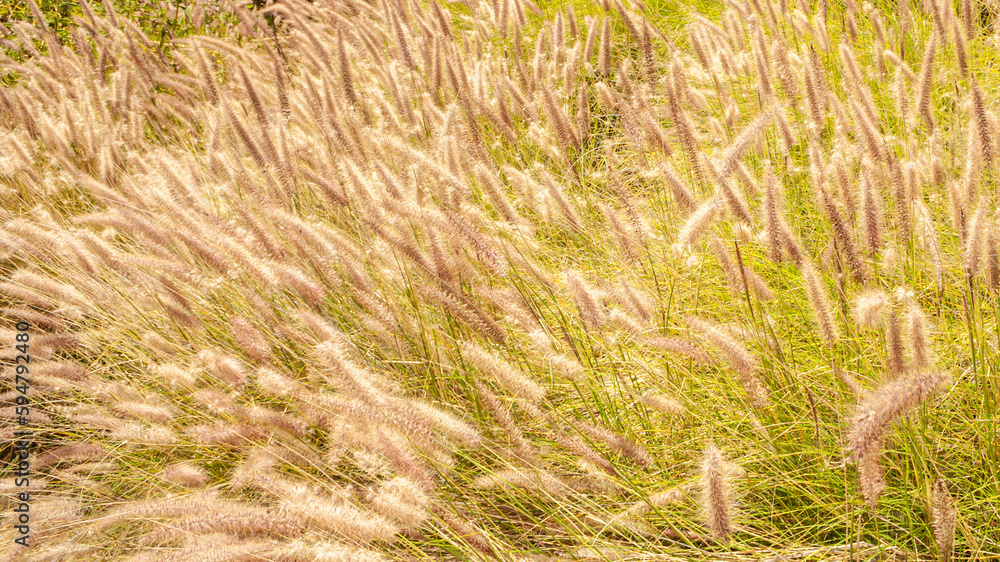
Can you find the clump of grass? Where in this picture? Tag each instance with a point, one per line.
(390, 280)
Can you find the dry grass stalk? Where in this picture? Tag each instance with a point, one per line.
(716, 494)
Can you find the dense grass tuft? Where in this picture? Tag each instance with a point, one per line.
(503, 280)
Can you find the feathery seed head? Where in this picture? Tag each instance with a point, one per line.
(869, 307)
(716, 493)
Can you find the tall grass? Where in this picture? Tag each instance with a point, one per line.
(499, 280)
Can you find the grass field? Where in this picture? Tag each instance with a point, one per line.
(398, 280)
